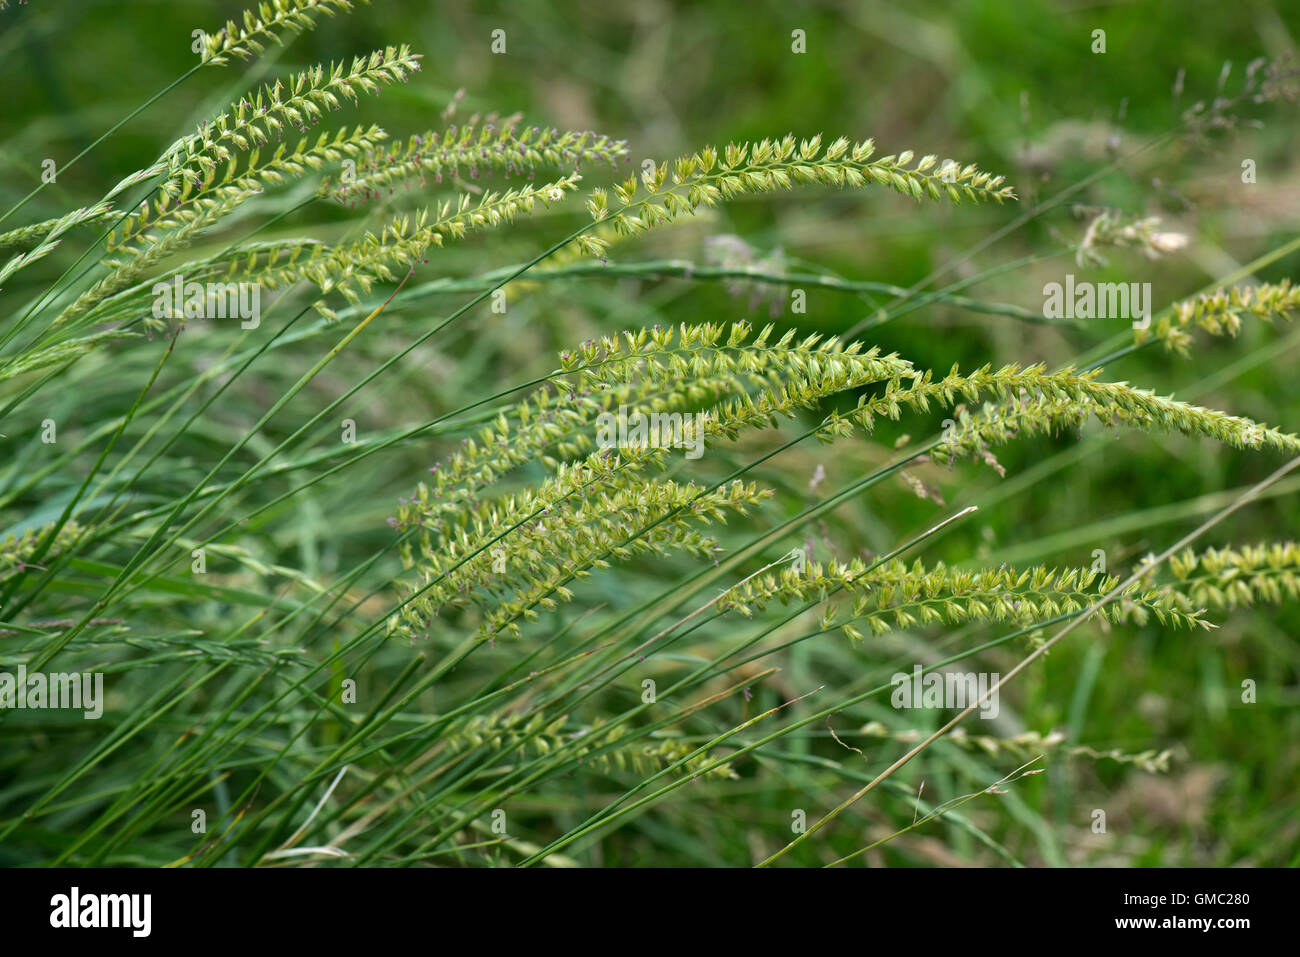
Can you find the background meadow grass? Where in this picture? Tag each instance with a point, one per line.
(1012, 86)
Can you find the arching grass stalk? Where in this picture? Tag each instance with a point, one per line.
(1040, 651)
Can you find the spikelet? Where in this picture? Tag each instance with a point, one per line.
(509, 557)
(896, 595)
(301, 102)
(1030, 744)
(1110, 228)
(479, 149)
(266, 23)
(660, 370)
(753, 382)
(59, 352)
(153, 233)
(1114, 403)
(971, 435)
(46, 236)
(708, 177)
(404, 240)
(1221, 312)
(536, 737)
(1238, 577)
(251, 176)
(17, 548)
(25, 237)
